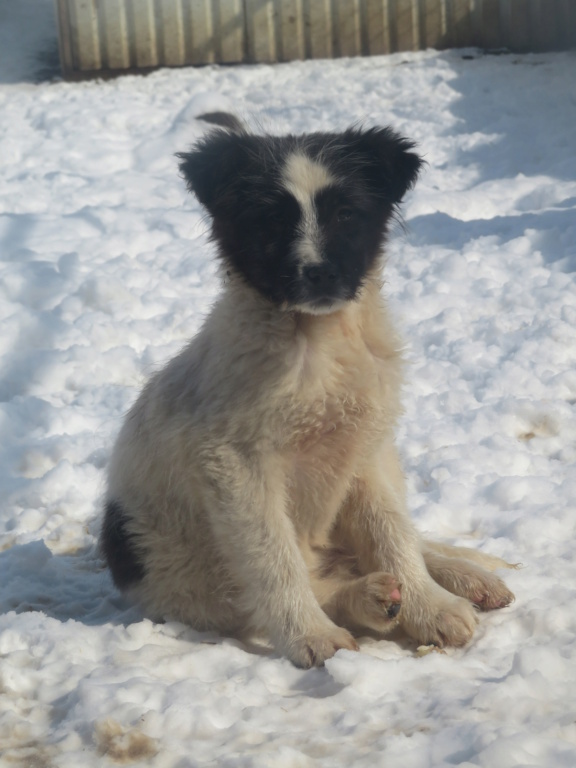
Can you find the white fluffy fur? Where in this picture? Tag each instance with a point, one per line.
(261, 483)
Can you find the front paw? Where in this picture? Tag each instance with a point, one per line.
(312, 650)
(439, 619)
(378, 601)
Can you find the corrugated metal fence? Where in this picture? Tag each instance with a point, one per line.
(99, 36)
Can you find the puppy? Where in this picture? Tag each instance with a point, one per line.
(255, 485)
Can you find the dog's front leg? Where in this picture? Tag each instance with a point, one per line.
(257, 540)
(376, 523)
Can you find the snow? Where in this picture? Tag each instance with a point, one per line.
(106, 271)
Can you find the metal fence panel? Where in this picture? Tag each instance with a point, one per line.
(99, 36)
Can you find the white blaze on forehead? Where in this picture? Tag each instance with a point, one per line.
(304, 178)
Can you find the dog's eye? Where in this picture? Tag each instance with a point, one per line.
(344, 214)
(275, 215)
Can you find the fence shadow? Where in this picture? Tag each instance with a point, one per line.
(524, 141)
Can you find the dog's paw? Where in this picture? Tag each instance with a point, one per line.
(469, 580)
(443, 620)
(313, 650)
(490, 596)
(379, 601)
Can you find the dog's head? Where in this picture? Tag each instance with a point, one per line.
(301, 218)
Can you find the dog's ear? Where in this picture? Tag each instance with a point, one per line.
(391, 166)
(213, 167)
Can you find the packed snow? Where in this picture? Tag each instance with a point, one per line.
(106, 271)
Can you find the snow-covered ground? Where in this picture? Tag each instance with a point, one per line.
(106, 271)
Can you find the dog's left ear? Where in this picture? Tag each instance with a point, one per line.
(391, 165)
(214, 165)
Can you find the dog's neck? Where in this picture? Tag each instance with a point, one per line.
(364, 309)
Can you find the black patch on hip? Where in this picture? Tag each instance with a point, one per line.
(119, 548)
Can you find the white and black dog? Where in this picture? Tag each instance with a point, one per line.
(255, 485)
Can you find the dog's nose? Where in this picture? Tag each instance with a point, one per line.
(394, 610)
(321, 276)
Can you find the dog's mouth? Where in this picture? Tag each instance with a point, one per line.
(320, 289)
(323, 288)
(323, 299)
(321, 305)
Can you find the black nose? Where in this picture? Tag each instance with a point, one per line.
(394, 610)
(321, 276)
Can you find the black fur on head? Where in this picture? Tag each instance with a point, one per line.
(301, 218)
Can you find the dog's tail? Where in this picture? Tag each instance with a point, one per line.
(223, 120)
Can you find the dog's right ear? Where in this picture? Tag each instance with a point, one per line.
(213, 166)
(391, 164)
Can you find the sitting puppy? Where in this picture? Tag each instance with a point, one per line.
(255, 485)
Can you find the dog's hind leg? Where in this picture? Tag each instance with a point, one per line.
(490, 562)
(469, 577)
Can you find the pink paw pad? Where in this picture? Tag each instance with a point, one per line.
(489, 603)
